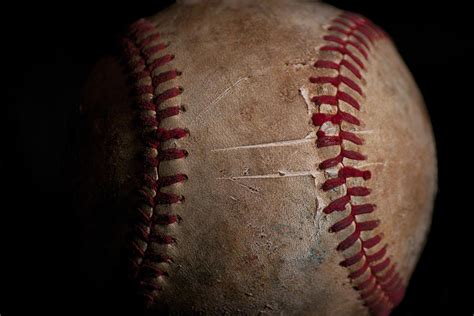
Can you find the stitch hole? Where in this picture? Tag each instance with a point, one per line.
(183, 108)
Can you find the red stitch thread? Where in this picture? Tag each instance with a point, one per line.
(336, 81)
(142, 49)
(352, 36)
(321, 118)
(344, 51)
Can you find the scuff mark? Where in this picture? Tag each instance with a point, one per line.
(218, 99)
(304, 92)
(248, 187)
(306, 139)
(280, 174)
(369, 131)
(297, 64)
(227, 91)
(384, 164)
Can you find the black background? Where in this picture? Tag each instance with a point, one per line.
(50, 49)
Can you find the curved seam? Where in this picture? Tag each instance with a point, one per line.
(375, 277)
(143, 58)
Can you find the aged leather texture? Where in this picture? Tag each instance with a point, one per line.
(252, 235)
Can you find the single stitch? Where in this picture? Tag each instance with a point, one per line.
(143, 57)
(382, 289)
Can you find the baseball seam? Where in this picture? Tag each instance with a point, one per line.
(351, 38)
(144, 58)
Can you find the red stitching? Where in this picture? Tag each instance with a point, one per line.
(165, 76)
(336, 81)
(149, 52)
(150, 39)
(373, 241)
(381, 266)
(159, 62)
(343, 50)
(352, 260)
(141, 48)
(363, 209)
(352, 36)
(338, 30)
(338, 40)
(364, 285)
(323, 140)
(321, 118)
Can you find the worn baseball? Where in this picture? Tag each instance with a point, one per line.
(271, 157)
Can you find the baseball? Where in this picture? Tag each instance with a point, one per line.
(271, 157)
